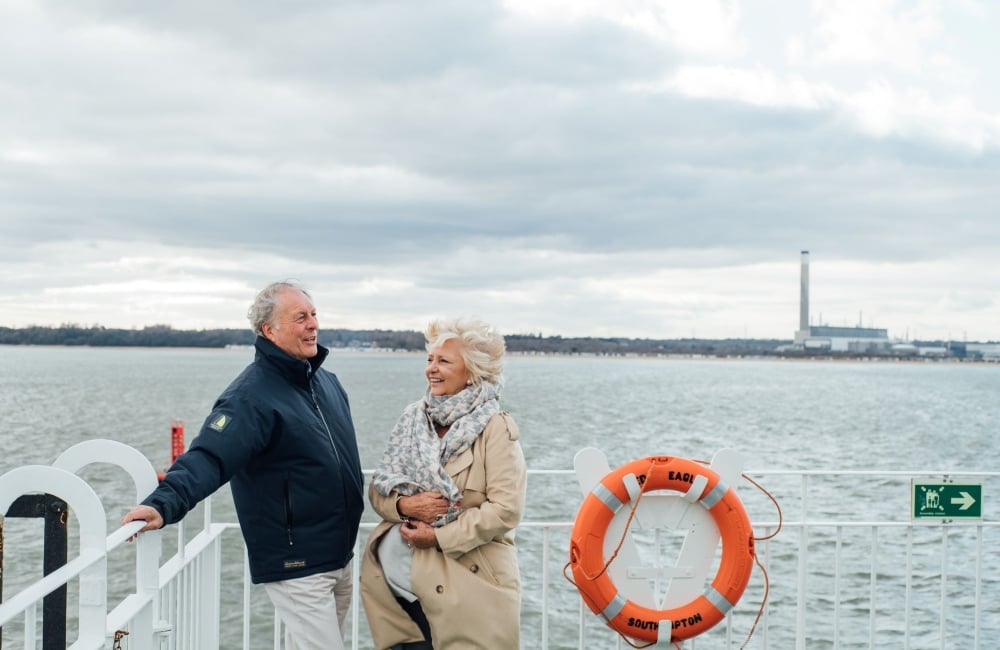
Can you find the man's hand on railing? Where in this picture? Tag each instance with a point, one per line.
(148, 514)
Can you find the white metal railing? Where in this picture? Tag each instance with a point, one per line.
(848, 569)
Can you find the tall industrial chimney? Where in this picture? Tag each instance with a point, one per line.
(804, 295)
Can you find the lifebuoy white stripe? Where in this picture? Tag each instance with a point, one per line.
(614, 607)
(718, 601)
(715, 495)
(607, 497)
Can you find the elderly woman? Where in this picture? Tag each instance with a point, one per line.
(440, 571)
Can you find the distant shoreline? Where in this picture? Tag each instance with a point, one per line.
(363, 351)
(163, 336)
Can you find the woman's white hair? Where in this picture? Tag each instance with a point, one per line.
(482, 347)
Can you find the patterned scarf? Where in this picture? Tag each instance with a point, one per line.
(415, 456)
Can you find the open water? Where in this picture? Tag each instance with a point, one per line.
(780, 415)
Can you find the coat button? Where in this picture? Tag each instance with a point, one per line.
(440, 589)
(474, 568)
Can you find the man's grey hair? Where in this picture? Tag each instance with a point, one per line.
(262, 309)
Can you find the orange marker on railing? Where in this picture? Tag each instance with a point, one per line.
(176, 443)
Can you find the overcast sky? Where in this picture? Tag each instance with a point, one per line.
(634, 168)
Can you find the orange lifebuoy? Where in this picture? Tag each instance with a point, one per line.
(699, 484)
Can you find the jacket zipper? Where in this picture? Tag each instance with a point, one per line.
(326, 426)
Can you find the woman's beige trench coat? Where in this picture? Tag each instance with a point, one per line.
(470, 589)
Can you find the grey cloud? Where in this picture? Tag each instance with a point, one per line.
(401, 138)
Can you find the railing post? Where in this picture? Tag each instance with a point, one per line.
(148, 545)
(54, 555)
(800, 612)
(208, 586)
(82, 499)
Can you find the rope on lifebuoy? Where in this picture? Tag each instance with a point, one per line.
(698, 484)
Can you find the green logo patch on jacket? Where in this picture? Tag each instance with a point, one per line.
(219, 422)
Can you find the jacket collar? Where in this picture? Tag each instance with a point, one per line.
(295, 370)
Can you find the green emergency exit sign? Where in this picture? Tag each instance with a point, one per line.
(947, 500)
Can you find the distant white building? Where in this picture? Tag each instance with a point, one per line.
(834, 339)
(843, 339)
(985, 351)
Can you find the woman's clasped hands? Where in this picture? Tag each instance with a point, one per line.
(421, 510)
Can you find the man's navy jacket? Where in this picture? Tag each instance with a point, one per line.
(282, 435)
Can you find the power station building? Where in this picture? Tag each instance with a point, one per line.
(858, 340)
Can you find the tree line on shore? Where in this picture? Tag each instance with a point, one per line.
(403, 340)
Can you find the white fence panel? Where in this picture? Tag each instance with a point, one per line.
(849, 569)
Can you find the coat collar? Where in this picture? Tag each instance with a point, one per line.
(295, 370)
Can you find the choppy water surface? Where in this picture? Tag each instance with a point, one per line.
(793, 415)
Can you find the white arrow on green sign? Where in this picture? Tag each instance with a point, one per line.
(947, 500)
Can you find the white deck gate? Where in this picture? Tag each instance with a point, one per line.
(849, 569)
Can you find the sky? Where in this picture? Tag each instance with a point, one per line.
(634, 168)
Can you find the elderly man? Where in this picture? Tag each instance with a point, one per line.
(282, 435)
